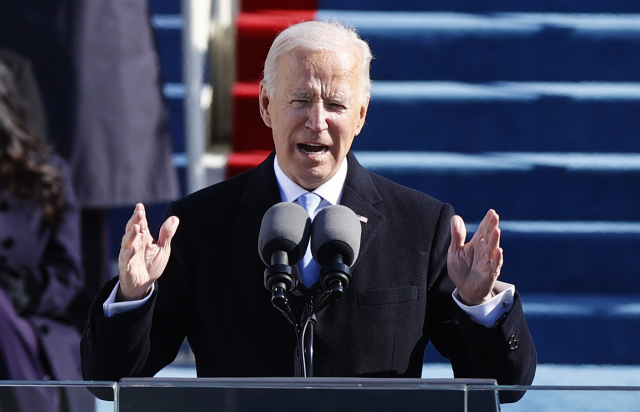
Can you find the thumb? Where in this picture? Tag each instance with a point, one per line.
(167, 231)
(458, 233)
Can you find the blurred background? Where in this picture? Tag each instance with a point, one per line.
(528, 107)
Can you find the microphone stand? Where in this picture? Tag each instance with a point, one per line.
(334, 279)
(306, 343)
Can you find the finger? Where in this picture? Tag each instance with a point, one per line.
(167, 231)
(144, 226)
(496, 263)
(130, 236)
(490, 221)
(135, 217)
(482, 226)
(493, 242)
(458, 233)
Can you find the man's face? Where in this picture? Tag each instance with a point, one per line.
(315, 110)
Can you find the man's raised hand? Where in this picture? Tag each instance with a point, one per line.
(475, 267)
(142, 260)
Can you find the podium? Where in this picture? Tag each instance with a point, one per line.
(305, 395)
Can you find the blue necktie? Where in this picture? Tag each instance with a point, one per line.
(309, 269)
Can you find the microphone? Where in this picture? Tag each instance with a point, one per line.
(283, 240)
(335, 244)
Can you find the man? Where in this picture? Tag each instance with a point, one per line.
(314, 97)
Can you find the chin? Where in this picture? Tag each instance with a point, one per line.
(312, 181)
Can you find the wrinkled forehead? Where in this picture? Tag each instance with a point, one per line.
(325, 66)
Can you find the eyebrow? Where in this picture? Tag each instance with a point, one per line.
(300, 93)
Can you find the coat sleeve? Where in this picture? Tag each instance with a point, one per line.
(504, 352)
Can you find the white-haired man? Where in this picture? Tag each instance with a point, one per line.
(415, 280)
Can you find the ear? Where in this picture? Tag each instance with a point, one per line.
(363, 115)
(264, 105)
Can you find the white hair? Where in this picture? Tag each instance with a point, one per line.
(316, 36)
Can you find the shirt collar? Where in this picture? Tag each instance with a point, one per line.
(331, 191)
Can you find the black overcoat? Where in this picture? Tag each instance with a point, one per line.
(399, 299)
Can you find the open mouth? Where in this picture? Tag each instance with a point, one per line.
(310, 148)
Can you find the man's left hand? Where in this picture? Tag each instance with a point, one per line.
(475, 267)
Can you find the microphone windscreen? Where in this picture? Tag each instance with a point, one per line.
(285, 227)
(336, 230)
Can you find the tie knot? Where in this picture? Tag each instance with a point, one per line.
(310, 202)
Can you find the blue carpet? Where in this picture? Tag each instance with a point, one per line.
(475, 6)
(520, 186)
(520, 117)
(499, 46)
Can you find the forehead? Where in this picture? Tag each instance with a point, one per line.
(310, 69)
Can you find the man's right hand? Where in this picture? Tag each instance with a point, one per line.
(142, 260)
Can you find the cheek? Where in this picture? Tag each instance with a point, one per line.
(345, 130)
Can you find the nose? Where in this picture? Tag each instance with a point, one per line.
(317, 118)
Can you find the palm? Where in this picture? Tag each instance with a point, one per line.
(142, 260)
(474, 267)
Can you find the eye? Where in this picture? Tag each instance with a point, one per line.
(336, 106)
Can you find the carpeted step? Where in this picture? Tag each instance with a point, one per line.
(248, 131)
(577, 329)
(279, 5)
(475, 6)
(239, 162)
(499, 46)
(444, 116)
(174, 94)
(571, 257)
(168, 32)
(164, 6)
(254, 34)
(520, 186)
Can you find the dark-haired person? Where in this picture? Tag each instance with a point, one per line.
(40, 268)
(415, 281)
(27, 85)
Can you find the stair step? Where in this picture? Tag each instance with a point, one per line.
(520, 186)
(254, 34)
(498, 46)
(168, 36)
(165, 6)
(503, 116)
(475, 6)
(588, 258)
(574, 330)
(569, 329)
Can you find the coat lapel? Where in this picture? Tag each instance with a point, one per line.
(260, 193)
(361, 196)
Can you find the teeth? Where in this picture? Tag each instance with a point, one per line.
(304, 146)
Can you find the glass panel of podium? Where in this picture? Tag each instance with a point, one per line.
(329, 395)
(16, 396)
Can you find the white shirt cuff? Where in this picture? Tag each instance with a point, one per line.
(490, 311)
(110, 307)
